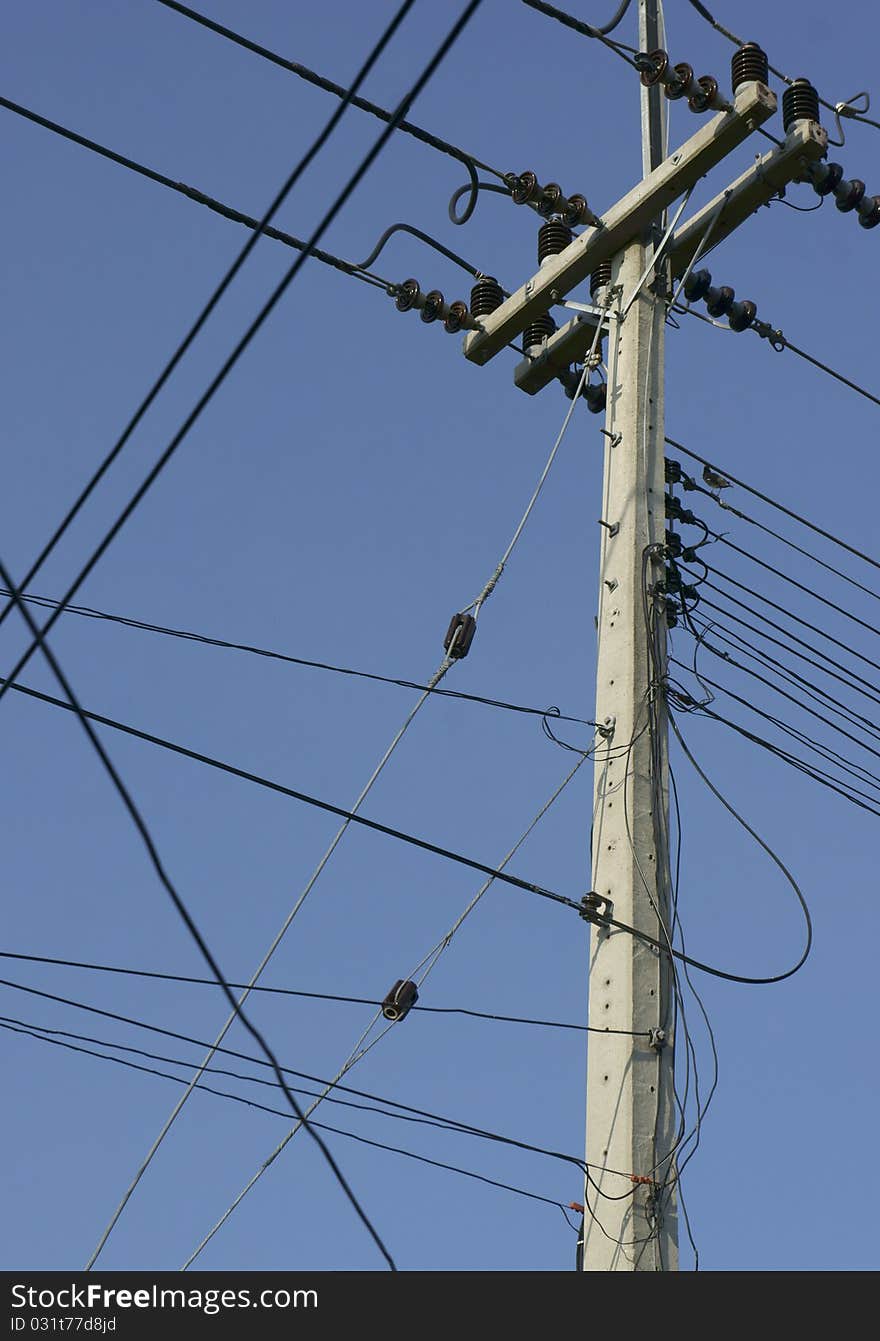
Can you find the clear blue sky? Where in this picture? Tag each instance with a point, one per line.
(352, 485)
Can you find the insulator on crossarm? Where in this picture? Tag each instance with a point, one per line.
(742, 315)
(800, 102)
(577, 212)
(848, 195)
(486, 295)
(525, 189)
(600, 278)
(653, 66)
(697, 285)
(552, 238)
(749, 64)
(869, 211)
(682, 83)
(825, 177)
(458, 318)
(708, 95)
(434, 306)
(408, 295)
(720, 301)
(537, 331)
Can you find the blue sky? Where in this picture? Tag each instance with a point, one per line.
(353, 484)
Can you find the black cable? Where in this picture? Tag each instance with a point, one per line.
(823, 367)
(585, 29)
(251, 1103)
(828, 754)
(193, 193)
(451, 1124)
(690, 484)
(192, 928)
(786, 79)
(302, 71)
(772, 502)
(853, 683)
(617, 18)
(39, 635)
(48, 603)
(259, 228)
(765, 600)
(315, 996)
(792, 677)
(428, 240)
(784, 755)
(277, 293)
(472, 190)
(484, 869)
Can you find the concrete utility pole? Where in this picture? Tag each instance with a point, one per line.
(632, 1120)
(630, 1102)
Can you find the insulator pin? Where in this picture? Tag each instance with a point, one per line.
(552, 239)
(526, 189)
(600, 279)
(800, 102)
(434, 306)
(537, 331)
(749, 64)
(486, 295)
(400, 1000)
(459, 636)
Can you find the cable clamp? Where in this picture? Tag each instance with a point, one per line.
(594, 908)
(766, 332)
(657, 1039)
(606, 730)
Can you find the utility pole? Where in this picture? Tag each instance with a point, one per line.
(630, 1221)
(630, 1099)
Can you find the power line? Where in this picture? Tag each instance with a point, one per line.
(39, 635)
(251, 1103)
(193, 193)
(450, 1124)
(470, 161)
(585, 29)
(300, 796)
(277, 293)
(840, 109)
(773, 503)
(153, 974)
(49, 603)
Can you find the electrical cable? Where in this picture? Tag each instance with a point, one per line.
(188, 636)
(840, 109)
(606, 28)
(294, 67)
(154, 975)
(193, 193)
(39, 635)
(255, 325)
(777, 535)
(585, 29)
(422, 237)
(251, 1103)
(186, 916)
